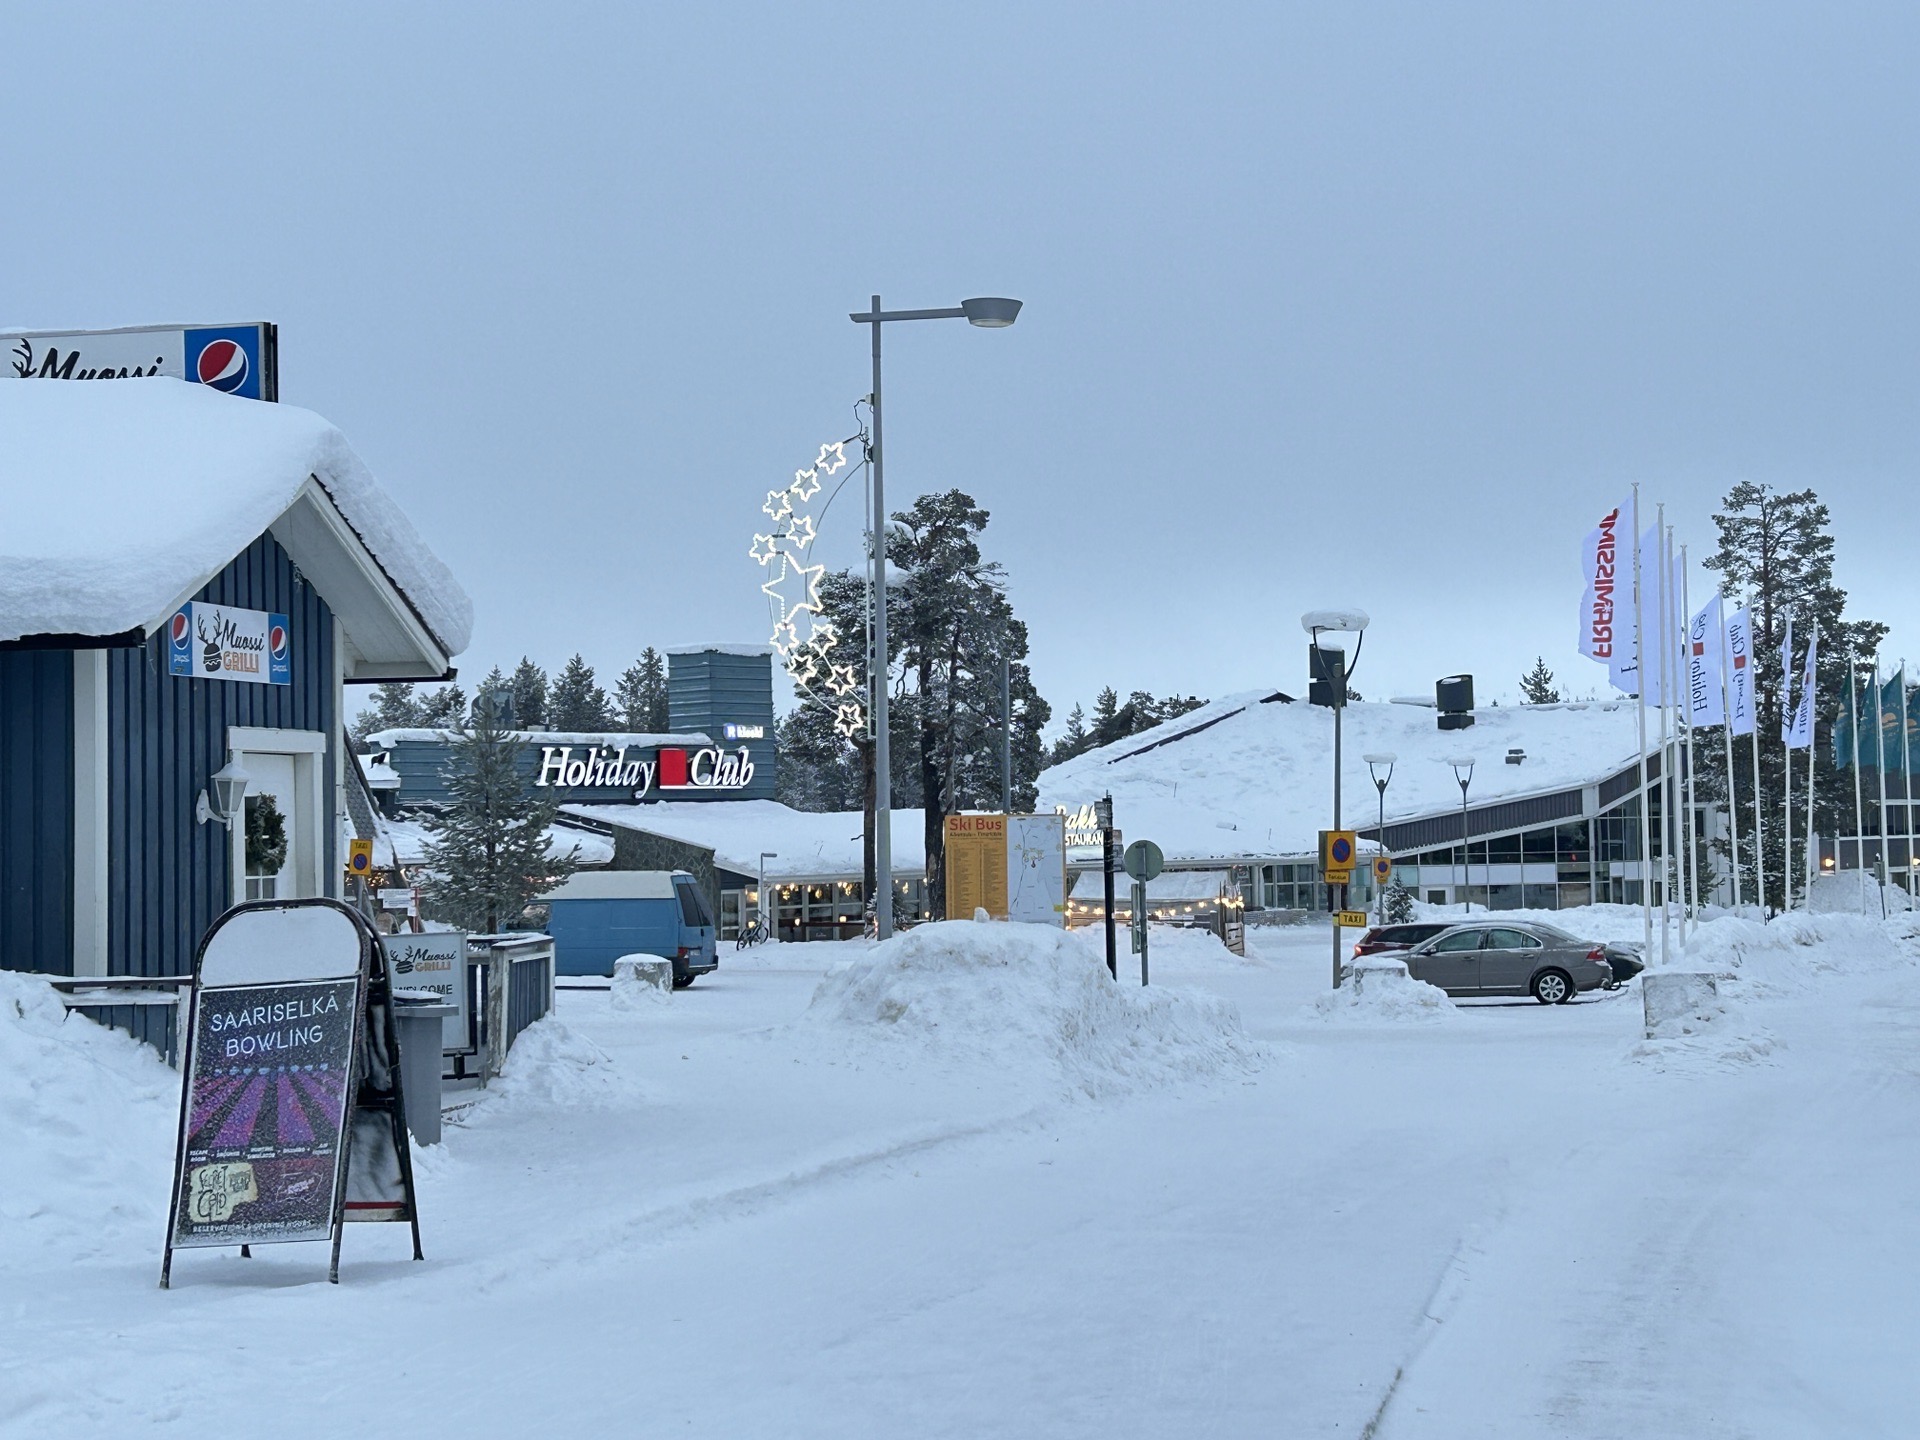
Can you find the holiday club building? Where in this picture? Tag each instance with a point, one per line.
(191, 580)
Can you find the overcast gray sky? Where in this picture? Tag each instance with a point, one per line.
(1332, 305)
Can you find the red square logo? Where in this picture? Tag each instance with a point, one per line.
(673, 768)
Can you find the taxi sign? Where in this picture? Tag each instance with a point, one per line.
(1352, 919)
(1382, 869)
(359, 857)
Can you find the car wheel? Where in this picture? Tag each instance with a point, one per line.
(1553, 987)
(680, 984)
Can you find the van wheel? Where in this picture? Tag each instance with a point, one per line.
(1553, 987)
(680, 984)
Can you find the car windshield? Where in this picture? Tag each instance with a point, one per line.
(1552, 932)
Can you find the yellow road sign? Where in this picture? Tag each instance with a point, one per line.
(1338, 849)
(1382, 868)
(1352, 919)
(359, 857)
(1338, 877)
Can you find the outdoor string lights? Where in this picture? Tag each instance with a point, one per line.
(801, 637)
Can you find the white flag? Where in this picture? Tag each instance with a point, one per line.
(1800, 736)
(1740, 671)
(1600, 633)
(1704, 703)
(1622, 673)
(1786, 682)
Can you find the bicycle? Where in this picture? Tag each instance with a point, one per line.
(751, 934)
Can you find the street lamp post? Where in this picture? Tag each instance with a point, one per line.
(1380, 783)
(1463, 772)
(766, 910)
(990, 313)
(1353, 622)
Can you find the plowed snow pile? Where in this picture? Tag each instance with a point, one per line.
(87, 1122)
(1379, 991)
(1028, 1000)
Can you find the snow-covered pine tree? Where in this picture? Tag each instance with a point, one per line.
(495, 684)
(640, 699)
(1106, 709)
(443, 707)
(486, 855)
(576, 702)
(1537, 687)
(1399, 903)
(1073, 740)
(394, 707)
(529, 684)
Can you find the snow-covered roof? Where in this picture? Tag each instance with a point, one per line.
(382, 776)
(1168, 887)
(604, 739)
(118, 502)
(1248, 776)
(807, 845)
(404, 842)
(720, 649)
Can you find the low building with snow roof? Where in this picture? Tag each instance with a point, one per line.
(189, 581)
(1243, 786)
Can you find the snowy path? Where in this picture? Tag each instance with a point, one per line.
(730, 1232)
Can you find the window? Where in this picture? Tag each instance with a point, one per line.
(692, 912)
(1454, 944)
(1511, 940)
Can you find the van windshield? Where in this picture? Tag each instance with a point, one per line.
(692, 912)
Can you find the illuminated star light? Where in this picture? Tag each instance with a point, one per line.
(851, 720)
(804, 669)
(806, 484)
(823, 636)
(779, 505)
(801, 532)
(811, 576)
(771, 589)
(784, 639)
(832, 457)
(763, 549)
(842, 681)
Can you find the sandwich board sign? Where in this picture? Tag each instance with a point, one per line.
(292, 1119)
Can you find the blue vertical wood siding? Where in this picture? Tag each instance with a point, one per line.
(169, 876)
(707, 690)
(36, 811)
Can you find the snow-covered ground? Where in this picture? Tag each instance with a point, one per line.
(940, 1190)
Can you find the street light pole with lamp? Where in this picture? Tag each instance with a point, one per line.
(1380, 783)
(990, 313)
(766, 910)
(1463, 772)
(1352, 622)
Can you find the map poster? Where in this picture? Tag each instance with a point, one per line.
(1037, 869)
(269, 1073)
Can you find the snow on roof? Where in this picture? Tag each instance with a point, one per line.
(605, 740)
(404, 842)
(116, 501)
(1243, 778)
(806, 844)
(720, 649)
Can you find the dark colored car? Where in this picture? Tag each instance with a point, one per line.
(1511, 957)
(1398, 937)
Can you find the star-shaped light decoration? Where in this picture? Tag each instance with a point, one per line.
(832, 457)
(804, 668)
(800, 532)
(779, 505)
(763, 549)
(810, 577)
(825, 632)
(776, 577)
(851, 721)
(806, 484)
(842, 681)
(785, 638)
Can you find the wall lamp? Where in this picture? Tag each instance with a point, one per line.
(229, 791)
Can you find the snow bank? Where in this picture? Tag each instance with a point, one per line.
(1176, 947)
(640, 983)
(1027, 1000)
(551, 1066)
(1379, 991)
(87, 1123)
(1856, 892)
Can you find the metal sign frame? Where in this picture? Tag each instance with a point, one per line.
(372, 1005)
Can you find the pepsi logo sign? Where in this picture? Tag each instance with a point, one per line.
(180, 628)
(223, 365)
(277, 641)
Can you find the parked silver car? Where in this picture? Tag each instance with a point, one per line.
(1510, 958)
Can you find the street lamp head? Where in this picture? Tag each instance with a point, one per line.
(1384, 757)
(1352, 621)
(991, 312)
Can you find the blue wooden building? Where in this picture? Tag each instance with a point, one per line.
(188, 581)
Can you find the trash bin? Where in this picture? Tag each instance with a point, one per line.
(416, 1022)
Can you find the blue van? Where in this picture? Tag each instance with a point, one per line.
(596, 916)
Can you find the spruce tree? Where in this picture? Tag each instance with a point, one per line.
(443, 707)
(1536, 686)
(529, 684)
(640, 699)
(1073, 739)
(394, 707)
(576, 702)
(487, 853)
(1106, 726)
(1777, 552)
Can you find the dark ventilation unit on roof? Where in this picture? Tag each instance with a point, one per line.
(1453, 698)
(1326, 673)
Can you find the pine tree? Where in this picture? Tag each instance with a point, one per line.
(394, 707)
(1776, 551)
(640, 699)
(1399, 903)
(1106, 725)
(1072, 740)
(1536, 686)
(576, 702)
(443, 707)
(529, 685)
(487, 853)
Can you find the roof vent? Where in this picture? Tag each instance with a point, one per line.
(1453, 698)
(1516, 756)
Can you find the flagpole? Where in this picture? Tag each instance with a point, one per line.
(1786, 748)
(1811, 684)
(1906, 779)
(1759, 825)
(1693, 815)
(1666, 755)
(1726, 728)
(1859, 808)
(1640, 706)
(1880, 765)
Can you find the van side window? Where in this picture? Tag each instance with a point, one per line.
(692, 912)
